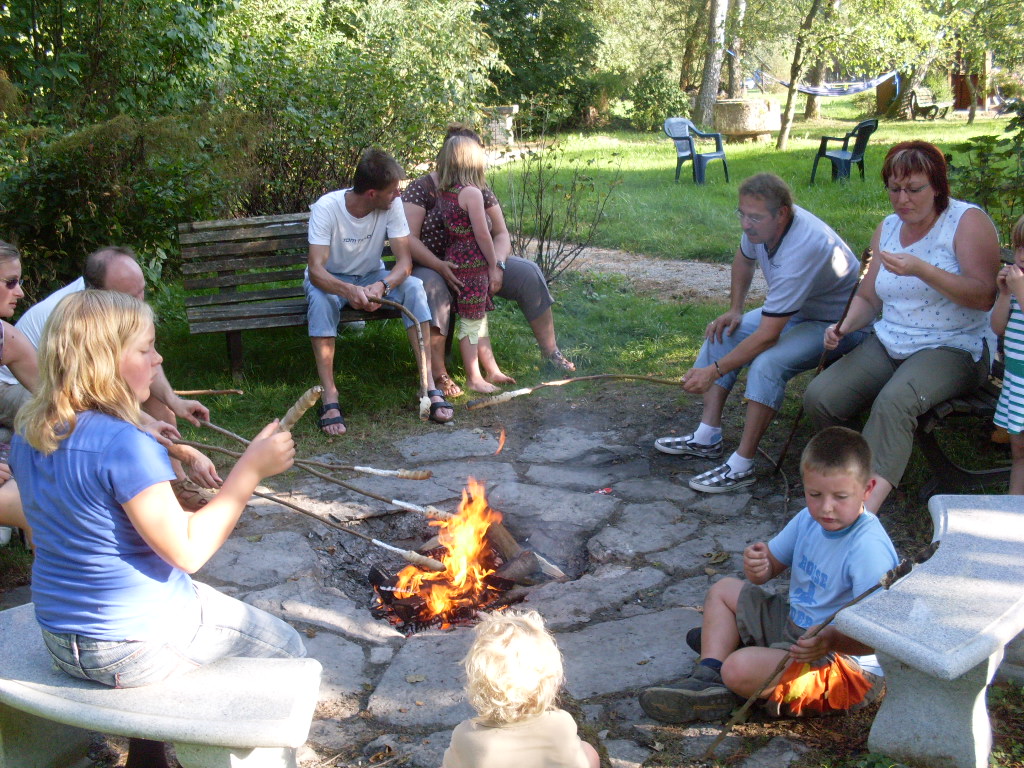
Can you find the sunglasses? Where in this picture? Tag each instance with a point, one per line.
(12, 283)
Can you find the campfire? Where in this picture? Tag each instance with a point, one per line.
(414, 599)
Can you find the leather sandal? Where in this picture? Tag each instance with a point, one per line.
(435, 407)
(327, 422)
(560, 362)
(448, 386)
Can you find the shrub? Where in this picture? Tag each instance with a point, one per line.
(123, 181)
(657, 96)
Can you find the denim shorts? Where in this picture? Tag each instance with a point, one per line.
(220, 627)
(323, 312)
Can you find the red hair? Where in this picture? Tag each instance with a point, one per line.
(909, 157)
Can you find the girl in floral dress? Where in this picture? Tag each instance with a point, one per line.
(461, 166)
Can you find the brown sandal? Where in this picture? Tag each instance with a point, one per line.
(560, 362)
(447, 385)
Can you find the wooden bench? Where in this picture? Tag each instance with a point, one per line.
(946, 475)
(939, 633)
(923, 104)
(246, 274)
(254, 713)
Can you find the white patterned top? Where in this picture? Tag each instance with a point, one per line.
(915, 316)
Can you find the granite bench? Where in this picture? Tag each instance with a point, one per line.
(939, 633)
(254, 713)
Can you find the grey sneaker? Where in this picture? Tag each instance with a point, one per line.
(685, 446)
(721, 479)
(701, 696)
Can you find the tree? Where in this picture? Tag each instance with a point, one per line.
(712, 63)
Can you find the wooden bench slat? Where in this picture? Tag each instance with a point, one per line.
(297, 244)
(241, 263)
(239, 297)
(251, 221)
(243, 233)
(276, 321)
(254, 278)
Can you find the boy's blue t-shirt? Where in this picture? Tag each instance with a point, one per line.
(93, 574)
(830, 568)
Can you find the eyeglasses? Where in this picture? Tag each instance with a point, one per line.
(12, 283)
(752, 218)
(895, 191)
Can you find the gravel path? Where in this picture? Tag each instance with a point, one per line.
(691, 280)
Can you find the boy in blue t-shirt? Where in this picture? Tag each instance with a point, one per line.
(836, 551)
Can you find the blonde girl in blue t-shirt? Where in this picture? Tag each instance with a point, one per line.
(114, 548)
(1008, 322)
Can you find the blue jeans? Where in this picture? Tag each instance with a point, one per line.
(323, 312)
(798, 349)
(220, 627)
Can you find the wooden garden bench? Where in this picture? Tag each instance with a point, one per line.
(923, 104)
(246, 274)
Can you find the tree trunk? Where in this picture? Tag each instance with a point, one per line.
(973, 90)
(736, 88)
(794, 73)
(712, 64)
(687, 75)
(815, 76)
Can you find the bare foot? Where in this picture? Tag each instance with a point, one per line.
(332, 420)
(497, 377)
(482, 386)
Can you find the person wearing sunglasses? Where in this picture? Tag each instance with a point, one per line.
(933, 281)
(810, 274)
(19, 355)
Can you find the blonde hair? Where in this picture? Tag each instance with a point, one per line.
(462, 161)
(8, 252)
(80, 365)
(1017, 235)
(513, 669)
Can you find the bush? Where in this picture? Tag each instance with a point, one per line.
(123, 182)
(657, 96)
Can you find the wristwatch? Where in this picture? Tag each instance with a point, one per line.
(387, 286)
(501, 265)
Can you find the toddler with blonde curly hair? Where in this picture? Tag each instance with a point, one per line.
(514, 671)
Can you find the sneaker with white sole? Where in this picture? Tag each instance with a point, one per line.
(722, 479)
(687, 446)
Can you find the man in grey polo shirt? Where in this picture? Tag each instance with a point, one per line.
(810, 274)
(347, 230)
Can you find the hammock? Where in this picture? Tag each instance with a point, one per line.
(844, 89)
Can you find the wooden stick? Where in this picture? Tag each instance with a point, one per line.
(865, 264)
(306, 401)
(421, 354)
(200, 392)
(413, 557)
(485, 402)
(888, 579)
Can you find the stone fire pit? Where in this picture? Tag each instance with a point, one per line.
(750, 119)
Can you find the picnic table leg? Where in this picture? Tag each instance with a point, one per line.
(927, 721)
(234, 339)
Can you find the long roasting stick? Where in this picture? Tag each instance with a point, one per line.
(889, 578)
(485, 402)
(865, 264)
(421, 354)
(415, 558)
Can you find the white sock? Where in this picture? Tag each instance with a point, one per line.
(706, 434)
(737, 464)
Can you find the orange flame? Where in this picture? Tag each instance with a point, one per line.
(501, 441)
(464, 538)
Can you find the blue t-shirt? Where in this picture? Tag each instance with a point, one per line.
(830, 568)
(93, 574)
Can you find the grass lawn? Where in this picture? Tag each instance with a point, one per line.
(650, 214)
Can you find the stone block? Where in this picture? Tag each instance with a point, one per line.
(568, 604)
(261, 560)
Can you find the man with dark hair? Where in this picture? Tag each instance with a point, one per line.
(810, 273)
(347, 230)
(114, 268)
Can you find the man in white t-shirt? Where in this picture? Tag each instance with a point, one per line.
(810, 274)
(347, 230)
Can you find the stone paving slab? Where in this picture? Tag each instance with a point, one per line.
(586, 478)
(434, 661)
(687, 559)
(654, 489)
(567, 604)
(689, 593)
(564, 444)
(447, 445)
(623, 753)
(344, 673)
(629, 654)
(778, 753)
(261, 560)
(731, 537)
(306, 601)
(642, 528)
